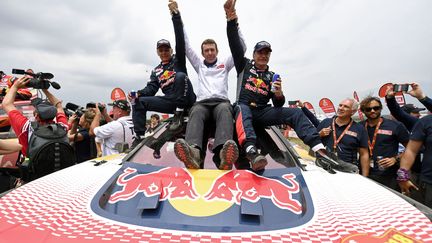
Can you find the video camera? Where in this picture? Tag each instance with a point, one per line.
(72, 108)
(39, 81)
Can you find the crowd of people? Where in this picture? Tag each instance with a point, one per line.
(396, 152)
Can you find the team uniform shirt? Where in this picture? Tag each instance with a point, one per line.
(422, 131)
(23, 130)
(390, 134)
(213, 78)
(354, 138)
(118, 131)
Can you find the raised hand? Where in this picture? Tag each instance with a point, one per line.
(416, 91)
(173, 6)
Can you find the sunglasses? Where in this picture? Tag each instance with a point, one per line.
(375, 108)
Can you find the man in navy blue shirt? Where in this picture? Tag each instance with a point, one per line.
(384, 136)
(421, 135)
(346, 137)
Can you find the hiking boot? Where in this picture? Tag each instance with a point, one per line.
(228, 155)
(257, 161)
(177, 121)
(189, 155)
(330, 162)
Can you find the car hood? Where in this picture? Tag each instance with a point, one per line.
(66, 207)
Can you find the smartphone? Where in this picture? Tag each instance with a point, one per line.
(292, 102)
(400, 87)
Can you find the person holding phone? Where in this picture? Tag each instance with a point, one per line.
(410, 115)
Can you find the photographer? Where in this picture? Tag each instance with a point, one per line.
(44, 112)
(79, 135)
(114, 133)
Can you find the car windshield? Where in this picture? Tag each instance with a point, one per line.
(270, 142)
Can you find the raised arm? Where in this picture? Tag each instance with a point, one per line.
(418, 93)
(234, 39)
(179, 36)
(397, 112)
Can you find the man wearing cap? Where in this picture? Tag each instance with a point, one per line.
(384, 138)
(213, 105)
(45, 112)
(171, 77)
(118, 131)
(255, 81)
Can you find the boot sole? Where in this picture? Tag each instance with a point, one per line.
(229, 155)
(259, 163)
(181, 150)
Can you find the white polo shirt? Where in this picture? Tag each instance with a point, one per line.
(118, 131)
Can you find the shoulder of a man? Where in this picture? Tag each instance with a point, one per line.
(18, 121)
(107, 130)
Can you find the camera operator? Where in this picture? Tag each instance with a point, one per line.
(79, 135)
(118, 131)
(44, 112)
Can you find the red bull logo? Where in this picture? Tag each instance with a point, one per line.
(166, 75)
(236, 185)
(257, 85)
(169, 183)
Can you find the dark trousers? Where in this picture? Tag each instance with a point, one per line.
(182, 96)
(269, 116)
(426, 193)
(217, 111)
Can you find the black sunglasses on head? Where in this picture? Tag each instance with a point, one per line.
(375, 108)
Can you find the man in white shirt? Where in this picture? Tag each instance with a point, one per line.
(212, 104)
(117, 132)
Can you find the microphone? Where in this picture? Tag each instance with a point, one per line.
(55, 85)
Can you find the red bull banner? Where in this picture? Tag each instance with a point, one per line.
(309, 106)
(327, 107)
(118, 94)
(359, 111)
(399, 96)
(219, 197)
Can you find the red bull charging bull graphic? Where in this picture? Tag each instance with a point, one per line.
(205, 200)
(243, 184)
(167, 182)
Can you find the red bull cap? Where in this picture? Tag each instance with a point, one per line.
(163, 42)
(262, 45)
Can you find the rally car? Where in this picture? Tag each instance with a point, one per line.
(148, 195)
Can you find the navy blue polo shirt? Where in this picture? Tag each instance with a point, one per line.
(422, 131)
(390, 134)
(347, 148)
